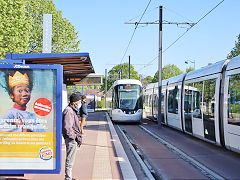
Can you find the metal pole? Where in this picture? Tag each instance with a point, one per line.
(105, 88)
(47, 33)
(129, 70)
(160, 67)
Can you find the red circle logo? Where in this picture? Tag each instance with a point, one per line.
(42, 107)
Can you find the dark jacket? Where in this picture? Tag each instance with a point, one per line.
(71, 125)
(83, 110)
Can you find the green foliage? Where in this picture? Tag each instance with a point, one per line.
(100, 104)
(189, 69)
(14, 27)
(168, 71)
(114, 74)
(236, 50)
(147, 80)
(109, 84)
(124, 69)
(21, 27)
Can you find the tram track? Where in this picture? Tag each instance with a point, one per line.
(158, 172)
(206, 171)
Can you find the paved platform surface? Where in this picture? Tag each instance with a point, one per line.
(95, 159)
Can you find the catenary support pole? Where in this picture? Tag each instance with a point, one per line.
(129, 67)
(160, 67)
(105, 88)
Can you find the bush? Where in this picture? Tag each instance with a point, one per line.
(100, 104)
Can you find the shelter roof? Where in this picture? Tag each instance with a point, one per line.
(74, 64)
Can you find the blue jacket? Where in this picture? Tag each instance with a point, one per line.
(83, 110)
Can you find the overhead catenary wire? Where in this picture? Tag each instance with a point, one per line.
(136, 25)
(184, 33)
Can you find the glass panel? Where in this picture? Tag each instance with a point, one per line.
(162, 108)
(234, 100)
(129, 97)
(146, 100)
(209, 109)
(188, 107)
(197, 100)
(173, 100)
(155, 106)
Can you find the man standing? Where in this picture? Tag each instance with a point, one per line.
(71, 132)
(83, 112)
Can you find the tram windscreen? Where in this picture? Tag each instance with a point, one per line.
(129, 97)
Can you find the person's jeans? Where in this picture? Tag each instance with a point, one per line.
(71, 150)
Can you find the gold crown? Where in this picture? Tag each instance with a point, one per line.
(18, 78)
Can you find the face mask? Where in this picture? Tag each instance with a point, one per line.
(78, 106)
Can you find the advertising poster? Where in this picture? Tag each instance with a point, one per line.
(90, 103)
(29, 109)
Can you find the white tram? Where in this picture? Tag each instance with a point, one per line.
(124, 101)
(204, 103)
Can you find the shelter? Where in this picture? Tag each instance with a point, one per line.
(75, 65)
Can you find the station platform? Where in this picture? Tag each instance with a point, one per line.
(101, 155)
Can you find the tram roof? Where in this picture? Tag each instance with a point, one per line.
(206, 71)
(127, 81)
(233, 63)
(176, 79)
(74, 64)
(155, 85)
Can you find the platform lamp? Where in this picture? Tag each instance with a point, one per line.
(187, 61)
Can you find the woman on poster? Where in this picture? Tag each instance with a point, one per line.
(19, 85)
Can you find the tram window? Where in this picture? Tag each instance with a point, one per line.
(162, 103)
(150, 101)
(188, 98)
(209, 99)
(173, 100)
(234, 100)
(162, 106)
(209, 109)
(197, 99)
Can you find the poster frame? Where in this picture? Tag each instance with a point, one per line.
(59, 82)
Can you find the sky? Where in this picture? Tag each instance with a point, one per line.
(105, 36)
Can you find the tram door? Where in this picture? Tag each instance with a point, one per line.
(188, 107)
(209, 109)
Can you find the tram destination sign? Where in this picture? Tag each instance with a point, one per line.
(90, 79)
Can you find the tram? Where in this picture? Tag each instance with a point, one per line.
(124, 101)
(204, 103)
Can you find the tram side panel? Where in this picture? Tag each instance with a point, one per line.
(174, 106)
(231, 109)
(148, 102)
(200, 107)
(109, 102)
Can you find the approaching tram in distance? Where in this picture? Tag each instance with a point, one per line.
(124, 101)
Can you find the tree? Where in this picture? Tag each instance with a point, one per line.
(15, 27)
(109, 84)
(147, 80)
(115, 73)
(124, 69)
(21, 28)
(168, 71)
(189, 69)
(236, 50)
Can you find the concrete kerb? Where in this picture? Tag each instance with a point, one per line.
(125, 165)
